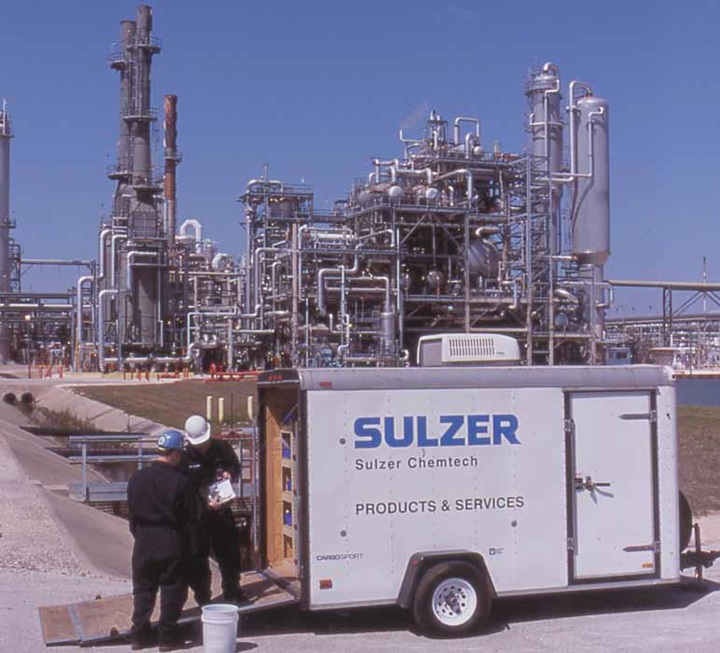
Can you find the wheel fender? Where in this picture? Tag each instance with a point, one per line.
(421, 561)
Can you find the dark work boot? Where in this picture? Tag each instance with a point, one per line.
(139, 643)
(174, 644)
(235, 596)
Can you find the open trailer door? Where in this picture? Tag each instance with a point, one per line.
(280, 478)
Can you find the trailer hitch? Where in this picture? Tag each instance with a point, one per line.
(696, 557)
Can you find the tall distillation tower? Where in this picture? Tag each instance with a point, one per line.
(130, 302)
(5, 226)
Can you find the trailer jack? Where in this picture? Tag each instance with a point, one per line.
(698, 558)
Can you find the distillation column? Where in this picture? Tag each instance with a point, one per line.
(140, 252)
(590, 217)
(5, 225)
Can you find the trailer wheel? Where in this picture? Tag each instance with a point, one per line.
(452, 598)
(686, 525)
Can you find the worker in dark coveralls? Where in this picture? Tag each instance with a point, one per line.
(205, 461)
(163, 510)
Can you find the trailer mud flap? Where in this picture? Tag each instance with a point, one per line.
(108, 619)
(612, 486)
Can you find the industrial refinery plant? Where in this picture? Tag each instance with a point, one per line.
(453, 235)
(448, 234)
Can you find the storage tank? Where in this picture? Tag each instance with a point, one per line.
(591, 203)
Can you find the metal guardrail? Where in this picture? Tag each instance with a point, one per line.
(145, 451)
(139, 456)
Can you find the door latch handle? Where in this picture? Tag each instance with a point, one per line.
(588, 484)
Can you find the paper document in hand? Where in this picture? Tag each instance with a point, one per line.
(222, 491)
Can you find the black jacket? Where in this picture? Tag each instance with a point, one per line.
(163, 509)
(202, 468)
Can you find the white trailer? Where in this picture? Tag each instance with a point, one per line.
(440, 489)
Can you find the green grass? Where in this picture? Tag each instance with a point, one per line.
(172, 403)
(699, 457)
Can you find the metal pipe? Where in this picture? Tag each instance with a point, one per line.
(101, 326)
(456, 128)
(256, 332)
(461, 171)
(191, 314)
(49, 261)
(101, 253)
(79, 307)
(197, 227)
(113, 257)
(35, 306)
(342, 270)
(573, 125)
(396, 171)
(130, 256)
(256, 261)
(171, 162)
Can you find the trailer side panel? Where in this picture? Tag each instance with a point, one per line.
(392, 473)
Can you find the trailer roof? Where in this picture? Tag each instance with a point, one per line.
(391, 378)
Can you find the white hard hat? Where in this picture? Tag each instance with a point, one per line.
(197, 429)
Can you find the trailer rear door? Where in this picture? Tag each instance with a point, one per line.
(280, 503)
(612, 485)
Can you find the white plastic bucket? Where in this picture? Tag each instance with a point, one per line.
(220, 622)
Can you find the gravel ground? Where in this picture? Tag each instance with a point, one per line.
(31, 539)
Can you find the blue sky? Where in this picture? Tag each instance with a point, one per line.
(316, 89)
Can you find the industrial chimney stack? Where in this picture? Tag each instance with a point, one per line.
(5, 226)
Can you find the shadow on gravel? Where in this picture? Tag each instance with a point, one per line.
(601, 602)
(292, 620)
(505, 612)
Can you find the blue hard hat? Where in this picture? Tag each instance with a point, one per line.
(171, 440)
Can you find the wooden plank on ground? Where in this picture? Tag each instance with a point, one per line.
(109, 619)
(58, 625)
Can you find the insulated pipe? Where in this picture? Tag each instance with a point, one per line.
(254, 314)
(230, 350)
(256, 264)
(197, 227)
(456, 128)
(113, 252)
(103, 235)
(378, 163)
(409, 143)
(189, 353)
(461, 171)
(129, 257)
(340, 270)
(573, 128)
(265, 182)
(469, 140)
(79, 307)
(256, 332)
(218, 258)
(101, 326)
(20, 307)
(396, 172)
(191, 314)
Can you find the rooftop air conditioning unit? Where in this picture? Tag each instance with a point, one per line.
(467, 349)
